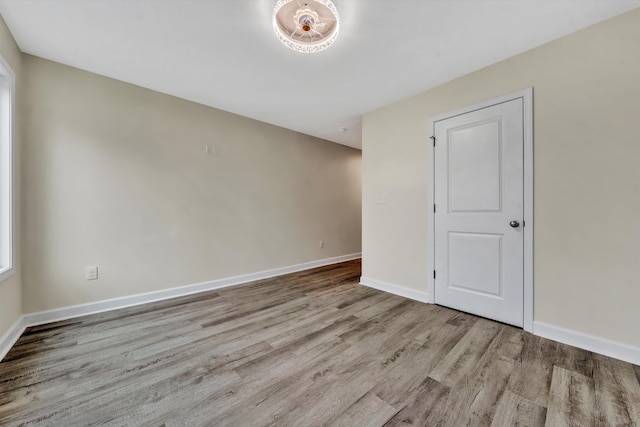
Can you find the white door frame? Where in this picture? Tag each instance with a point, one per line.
(527, 102)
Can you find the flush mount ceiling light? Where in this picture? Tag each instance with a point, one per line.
(306, 25)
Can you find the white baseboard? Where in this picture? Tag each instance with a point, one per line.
(395, 289)
(11, 336)
(578, 339)
(599, 345)
(42, 317)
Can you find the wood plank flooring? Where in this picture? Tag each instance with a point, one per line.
(305, 349)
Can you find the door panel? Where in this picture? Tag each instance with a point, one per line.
(474, 262)
(474, 156)
(478, 191)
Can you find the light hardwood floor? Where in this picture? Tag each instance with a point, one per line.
(310, 348)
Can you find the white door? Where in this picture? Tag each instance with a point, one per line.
(478, 220)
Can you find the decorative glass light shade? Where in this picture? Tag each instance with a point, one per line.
(306, 25)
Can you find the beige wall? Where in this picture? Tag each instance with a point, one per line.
(11, 288)
(586, 177)
(117, 176)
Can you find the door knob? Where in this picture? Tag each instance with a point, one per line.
(514, 224)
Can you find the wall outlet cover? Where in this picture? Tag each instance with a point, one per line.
(91, 273)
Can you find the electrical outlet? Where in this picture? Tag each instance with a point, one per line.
(382, 199)
(210, 150)
(91, 273)
(321, 245)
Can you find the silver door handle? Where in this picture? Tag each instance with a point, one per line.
(514, 224)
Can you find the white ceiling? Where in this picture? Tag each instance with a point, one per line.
(223, 53)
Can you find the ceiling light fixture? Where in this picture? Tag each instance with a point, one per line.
(306, 25)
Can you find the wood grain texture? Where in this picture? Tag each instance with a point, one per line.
(571, 399)
(515, 410)
(532, 379)
(306, 349)
(617, 392)
(369, 410)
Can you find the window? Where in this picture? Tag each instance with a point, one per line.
(7, 234)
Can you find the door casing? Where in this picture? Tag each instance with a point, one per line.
(527, 101)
